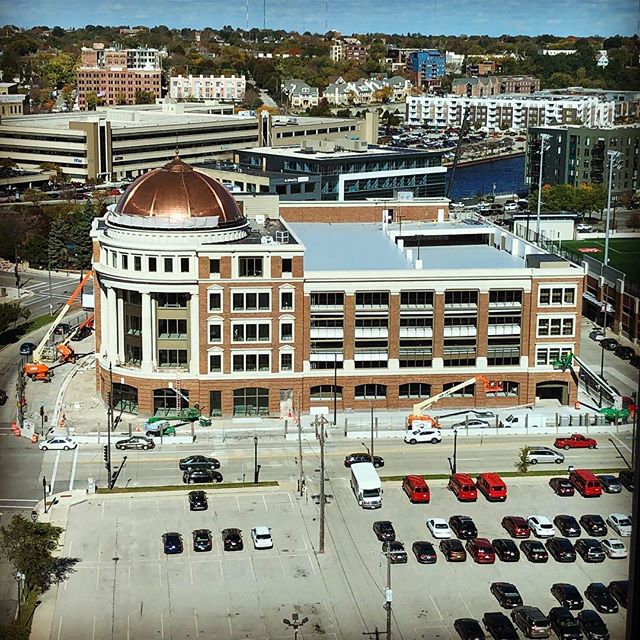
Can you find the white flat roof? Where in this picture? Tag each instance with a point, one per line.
(296, 152)
(365, 247)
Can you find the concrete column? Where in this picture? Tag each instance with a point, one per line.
(112, 324)
(194, 334)
(104, 322)
(148, 331)
(120, 327)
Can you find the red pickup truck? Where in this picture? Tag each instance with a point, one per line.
(575, 441)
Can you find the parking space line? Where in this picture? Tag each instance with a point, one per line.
(59, 627)
(98, 578)
(74, 463)
(191, 574)
(613, 435)
(290, 499)
(128, 628)
(221, 571)
(466, 606)
(54, 473)
(229, 621)
(102, 512)
(93, 632)
(435, 606)
(129, 577)
(195, 620)
(160, 574)
(161, 625)
(253, 572)
(265, 503)
(238, 503)
(311, 563)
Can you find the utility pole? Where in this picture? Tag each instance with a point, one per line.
(371, 433)
(107, 453)
(319, 422)
(301, 478)
(388, 594)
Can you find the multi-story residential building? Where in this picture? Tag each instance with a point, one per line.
(225, 88)
(480, 68)
(124, 142)
(627, 103)
(514, 112)
(336, 51)
(139, 58)
(300, 95)
(454, 62)
(350, 49)
(426, 67)
(477, 87)
(199, 305)
(352, 170)
(363, 91)
(578, 154)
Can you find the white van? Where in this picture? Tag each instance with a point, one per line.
(524, 419)
(366, 485)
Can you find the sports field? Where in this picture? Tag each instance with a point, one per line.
(624, 254)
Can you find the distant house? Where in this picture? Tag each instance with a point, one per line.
(363, 91)
(300, 95)
(602, 59)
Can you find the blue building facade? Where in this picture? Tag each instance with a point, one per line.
(427, 64)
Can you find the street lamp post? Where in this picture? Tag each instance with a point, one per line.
(296, 623)
(372, 432)
(455, 451)
(256, 466)
(44, 492)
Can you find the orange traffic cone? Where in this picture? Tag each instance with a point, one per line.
(34, 438)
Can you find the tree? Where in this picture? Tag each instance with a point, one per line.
(14, 632)
(29, 547)
(634, 221)
(10, 313)
(68, 94)
(522, 464)
(322, 109)
(145, 97)
(82, 235)
(382, 95)
(59, 236)
(35, 196)
(91, 99)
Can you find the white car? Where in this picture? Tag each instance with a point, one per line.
(620, 523)
(541, 526)
(584, 228)
(439, 528)
(261, 537)
(59, 442)
(614, 548)
(456, 205)
(511, 206)
(472, 422)
(423, 435)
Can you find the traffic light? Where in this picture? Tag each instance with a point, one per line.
(105, 455)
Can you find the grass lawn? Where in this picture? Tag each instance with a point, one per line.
(624, 253)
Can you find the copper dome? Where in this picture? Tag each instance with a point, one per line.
(177, 191)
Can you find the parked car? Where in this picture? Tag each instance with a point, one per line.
(562, 487)
(135, 442)
(172, 542)
(453, 550)
(261, 537)
(593, 625)
(532, 622)
(198, 501)
(626, 479)
(202, 540)
(516, 526)
(567, 525)
(352, 458)
(198, 462)
(506, 594)
(416, 436)
(506, 549)
(201, 475)
(564, 624)
(58, 443)
(469, 629)
(625, 353)
(27, 348)
(384, 530)
(537, 455)
(499, 626)
(584, 228)
(567, 595)
(634, 361)
(481, 551)
(593, 524)
(598, 595)
(561, 549)
(614, 548)
(541, 526)
(575, 441)
(610, 484)
(439, 528)
(395, 549)
(597, 335)
(160, 428)
(609, 344)
(534, 551)
(620, 523)
(463, 527)
(619, 589)
(424, 552)
(590, 550)
(232, 539)
(472, 422)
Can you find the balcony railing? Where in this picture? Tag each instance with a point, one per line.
(371, 332)
(416, 332)
(326, 332)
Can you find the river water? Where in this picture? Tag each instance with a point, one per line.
(472, 180)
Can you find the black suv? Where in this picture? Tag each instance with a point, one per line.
(352, 458)
(599, 596)
(506, 549)
(567, 595)
(395, 549)
(201, 475)
(626, 479)
(463, 527)
(534, 551)
(499, 626)
(567, 525)
(561, 549)
(610, 344)
(564, 624)
(384, 530)
(202, 540)
(594, 525)
(590, 550)
(625, 353)
(593, 625)
(198, 501)
(172, 542)
(506, 594)
(619, 590)
(232, 539)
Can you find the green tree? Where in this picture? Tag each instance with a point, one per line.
(35, 196)
(321, 110)
(82, 235)
(145, 97)
(30, 547)
(59, 236)
(59, 70)
(10, 313)
(522, 464)
(91, 99)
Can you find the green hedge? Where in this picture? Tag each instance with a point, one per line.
(504, 474)
(190, 487)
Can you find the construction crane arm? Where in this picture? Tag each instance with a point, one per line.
(419, 407)
(464, 127)
(37, 352)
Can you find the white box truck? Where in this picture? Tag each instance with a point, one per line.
(366, 485)
(524, 419)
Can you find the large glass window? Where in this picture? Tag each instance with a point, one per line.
(371, 391)
(172, 300)
(259, 301)
(414, 390)
(250, 401)
(172, 328)
(252, 332)
(125, 398)
(172, 358)
(251, 362)
(325, 392)
(250, 267)
(327, 299)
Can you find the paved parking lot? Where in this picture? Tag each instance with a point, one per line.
(125, 586)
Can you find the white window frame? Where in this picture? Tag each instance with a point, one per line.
(293, 359)
(564, 288)
(562, 318)
(215, 352)
(173, 264)
(563, 349)
(244, 323)
(292, 291)
(287, 320)
(245, 353)
(218, 290)
(257, 291)
(215, 322)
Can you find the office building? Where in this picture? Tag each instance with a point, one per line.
(225, 88)
(578, 154)
(513, 112)
(198, 304)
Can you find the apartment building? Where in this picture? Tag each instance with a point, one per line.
(136, 58)
(363, 91)
(224, 88)
(350, 49)
(578, 154)
(513, 112)
(426, 66)
(198, 304)
(477, 87)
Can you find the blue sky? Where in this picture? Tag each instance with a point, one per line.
(491, 17)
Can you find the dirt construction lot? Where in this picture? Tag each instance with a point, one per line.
(125, 586)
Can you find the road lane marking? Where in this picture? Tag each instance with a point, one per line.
(161, 625)
(229, 620)
(128, 630)
(195, 620)
(102, 512)
(191, 574)
(621, 443)
(74, 462)
(98, 578)
(435, 606)
(59, 627)
(93, 632)
(160, 574)
(55, 471)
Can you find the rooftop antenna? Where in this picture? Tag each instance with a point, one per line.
(247, 15)
(264, 14)
(326, 16)
(435, 17)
